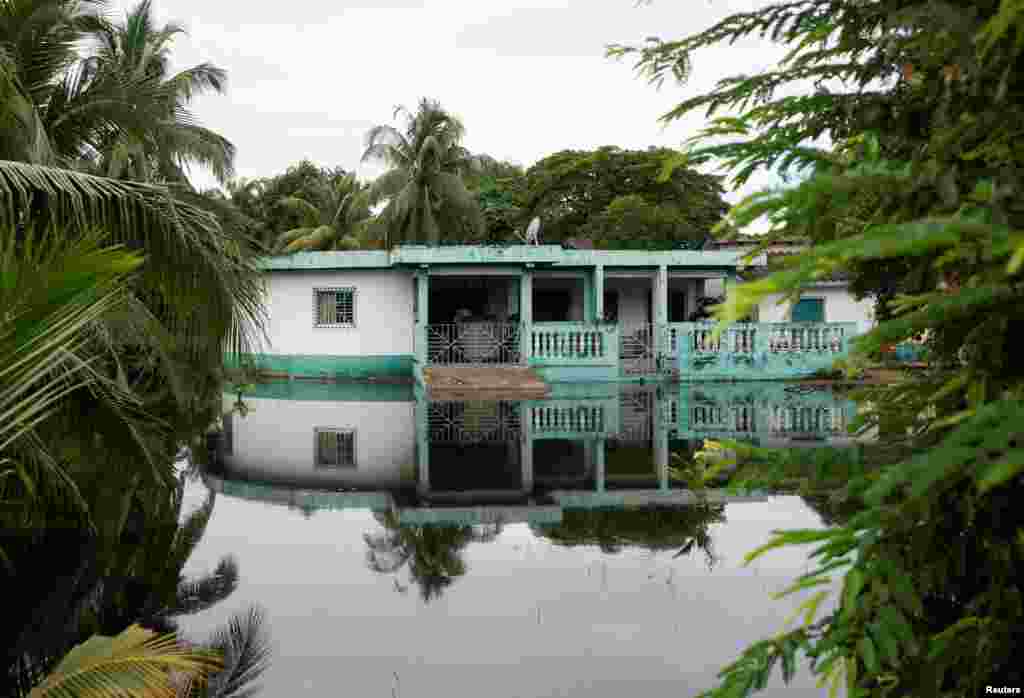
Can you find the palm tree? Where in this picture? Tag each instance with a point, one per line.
(138, 50)
(340, 223)
(114, 112)
(426, 197)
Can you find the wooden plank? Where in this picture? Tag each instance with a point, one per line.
(484, 382)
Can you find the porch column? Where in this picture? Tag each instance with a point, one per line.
(422, 314)
(526, 447)
(597, 287)
(599, 453)
(526, 311)
(660, 318)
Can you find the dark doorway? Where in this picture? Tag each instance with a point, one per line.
(611, 306)
(551, 305)
(677, 306)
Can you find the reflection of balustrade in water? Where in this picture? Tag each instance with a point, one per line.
(567, 419)
(806, 420)
(736, 418)
(472, 422)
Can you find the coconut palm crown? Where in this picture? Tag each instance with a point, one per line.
(425, 196)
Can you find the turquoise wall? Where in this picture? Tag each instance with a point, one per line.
(386, 366)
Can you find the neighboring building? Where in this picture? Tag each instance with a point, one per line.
(571, 314)
(826, 300)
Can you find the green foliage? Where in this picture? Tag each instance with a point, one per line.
(497, 186)
(920, 200)
(618, 199)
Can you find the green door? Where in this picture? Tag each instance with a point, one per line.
(809, 310)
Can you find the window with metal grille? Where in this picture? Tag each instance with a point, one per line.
(335, 448)
(334, 307)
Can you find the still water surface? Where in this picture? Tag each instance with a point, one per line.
(560, 559)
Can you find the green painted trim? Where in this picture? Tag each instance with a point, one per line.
(471, 516)
(321, 365)
(331, 392)
(294, 497)
(310, 261)
(578, 374)
(553, 255)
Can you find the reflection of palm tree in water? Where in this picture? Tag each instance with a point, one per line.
(432, 553)
(683, 529)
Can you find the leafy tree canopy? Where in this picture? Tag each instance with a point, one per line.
(920, 196)
(496, 184)
(616, 198)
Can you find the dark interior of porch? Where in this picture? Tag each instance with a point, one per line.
(471, 298)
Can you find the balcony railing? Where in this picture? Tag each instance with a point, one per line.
(689, 351)
(757, 350)
(573, 343)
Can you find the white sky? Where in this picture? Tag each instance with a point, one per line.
(528, 77)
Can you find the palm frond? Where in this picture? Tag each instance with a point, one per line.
(309, 213)
(136, 661)
(245, 647)
(388, 185)
(218, 292)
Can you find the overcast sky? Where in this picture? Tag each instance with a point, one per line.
(528, 77)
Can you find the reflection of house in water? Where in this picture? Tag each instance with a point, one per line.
(333, 446)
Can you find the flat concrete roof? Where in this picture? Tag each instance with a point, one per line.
(517, 255)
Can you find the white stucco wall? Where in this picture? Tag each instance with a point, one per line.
(840, 306)
(275, 442)
(384, 314)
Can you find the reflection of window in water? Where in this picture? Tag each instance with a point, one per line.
(335, 448)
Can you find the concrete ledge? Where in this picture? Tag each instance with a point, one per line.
(470, 516)
(588, 499)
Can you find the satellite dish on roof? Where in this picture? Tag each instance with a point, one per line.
(533, 232)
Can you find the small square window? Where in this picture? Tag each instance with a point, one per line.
(335, 448)
(334, 307)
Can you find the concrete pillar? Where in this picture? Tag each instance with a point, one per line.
(526, 447)
(660, 437)
(422, 446)
(423, 314)
(599, 454)
(598, 293)
(526, 310)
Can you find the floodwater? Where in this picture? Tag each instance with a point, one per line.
(402, 547)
